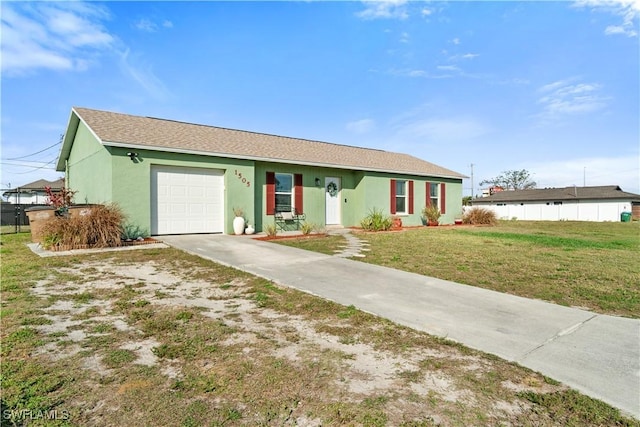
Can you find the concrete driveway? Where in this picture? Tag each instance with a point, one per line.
(596, 354)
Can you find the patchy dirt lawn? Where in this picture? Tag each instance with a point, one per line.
(165, 339)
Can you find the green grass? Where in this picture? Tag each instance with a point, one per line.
(225, 378)
(325, 244)
(584, 264)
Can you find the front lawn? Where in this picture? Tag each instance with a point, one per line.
(583, 264)
(160, 337)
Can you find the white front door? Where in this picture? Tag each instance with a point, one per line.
(186, 200)
(332, 198)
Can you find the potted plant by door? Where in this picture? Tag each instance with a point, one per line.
(238, 221)
(431, 214)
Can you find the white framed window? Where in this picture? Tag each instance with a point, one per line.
(434, 194)
(401, 197)
(284, 192)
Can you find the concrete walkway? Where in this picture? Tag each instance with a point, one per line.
(596, 354)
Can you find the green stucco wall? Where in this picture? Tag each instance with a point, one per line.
(88, 170)
(314, 197)
(376, 189)
(361, 192)
(106, 174)
(132, 183)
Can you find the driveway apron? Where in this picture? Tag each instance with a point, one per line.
(596, 354)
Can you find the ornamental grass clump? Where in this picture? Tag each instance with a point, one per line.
(376, 221)
(101, 227)
(480, 216)
(307, 228)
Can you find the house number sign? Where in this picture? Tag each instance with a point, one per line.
(243, 179)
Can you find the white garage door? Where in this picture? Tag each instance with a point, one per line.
(186, 200)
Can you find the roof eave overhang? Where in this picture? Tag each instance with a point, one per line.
(271, 160)
(67, 141)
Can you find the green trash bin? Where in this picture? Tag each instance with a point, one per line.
(625, 216)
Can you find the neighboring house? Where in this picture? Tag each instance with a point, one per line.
(173, 177)
(603, 203)
(33, 193)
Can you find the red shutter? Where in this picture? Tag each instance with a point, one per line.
(271, 193)
(410, 197)
(297, 183)
(393, 197)
(428, 184)
(443, 200)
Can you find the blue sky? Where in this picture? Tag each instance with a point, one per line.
(551, 87)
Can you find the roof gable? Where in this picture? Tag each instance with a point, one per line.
(125, 130)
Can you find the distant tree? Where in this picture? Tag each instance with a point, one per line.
(512, 180)
(466, 201)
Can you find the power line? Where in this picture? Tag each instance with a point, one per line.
(37, 152)
(24, 163)
(35, 168)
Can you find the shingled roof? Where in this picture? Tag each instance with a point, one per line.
(605, 192)
(40, 185)
(123, 130)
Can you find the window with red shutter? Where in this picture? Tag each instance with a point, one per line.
(298, 190)
(410, 197)
(271, 193)
(392, 201)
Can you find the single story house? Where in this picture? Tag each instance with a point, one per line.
(32, 193)
(601, 203)
(171, 177)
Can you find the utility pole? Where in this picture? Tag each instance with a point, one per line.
(472, 181)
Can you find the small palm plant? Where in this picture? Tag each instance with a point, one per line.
(431, 214)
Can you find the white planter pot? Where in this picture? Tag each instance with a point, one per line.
(249, 229)
(238, 225)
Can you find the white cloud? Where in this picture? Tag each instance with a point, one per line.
(149, 26)
(564, 97)
(456, 41)
(392, 9)
(448, 68)
(146, 25)
(54, 36)
(628, 10)
(442, 130)
(464, 56)
(622, 171)
(361, 126)
(426, 11)
(405, 37)
(143, 75)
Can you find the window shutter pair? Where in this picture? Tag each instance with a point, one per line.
(271, 193)
(392, 199)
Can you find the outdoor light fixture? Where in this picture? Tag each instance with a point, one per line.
(132, 155)
(317, 182)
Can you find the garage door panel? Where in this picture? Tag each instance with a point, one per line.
(187, 200)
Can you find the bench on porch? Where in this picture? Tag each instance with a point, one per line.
(285, 218)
